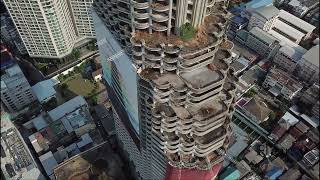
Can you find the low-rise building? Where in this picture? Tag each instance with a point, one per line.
(259, 41)
(44, 90)
(288, 57)
(281, 83)
(288, 27)
(263, 17)
(239, 65)
(298, 8)
(311, 157)
(254, 108)
(236, 23)
(49, 163)
(16, 92)
(308, 66)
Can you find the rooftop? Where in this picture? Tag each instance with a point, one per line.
(262, 35)
(289, 18)
(267, 12)
(44, 90)
(257, 108)
(48, 162)
(312, 55)
(67, 108)
(292, 52)
(285, 79)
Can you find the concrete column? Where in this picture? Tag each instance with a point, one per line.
(170, 16)
(198, 12)
(181, 14)
(132, 16)
(150, 19)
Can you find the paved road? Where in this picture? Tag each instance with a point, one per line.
(89, 55)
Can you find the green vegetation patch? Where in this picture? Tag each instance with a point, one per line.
(187, 32)
(80, 86)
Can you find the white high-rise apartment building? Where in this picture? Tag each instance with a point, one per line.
(50, 28)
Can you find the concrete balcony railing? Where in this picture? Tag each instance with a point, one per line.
(199, 97)
(134, 42)
(211, 143)
(169, 67)
(170, 60)
(140, 5)
(160, 17)
(171, 49)
(205, 129)
(160, 7)
(202, 152)
(157, 48)
(159, 27)
(139, 25)
(139, 15)
(152, 57)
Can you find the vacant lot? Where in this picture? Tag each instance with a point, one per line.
(79, 85)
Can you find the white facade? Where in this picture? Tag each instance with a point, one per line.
(48, 28)
(16, 92)
(287, 58)
(308, 67)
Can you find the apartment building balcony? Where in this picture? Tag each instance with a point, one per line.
(152, 56)
(226, 45)
(202, 152)
(210, 138)
(141, 14)
(160, 6)
(193, 97)
(170, 60)
(153, 64)
(210, 2)
(169, 67)
(140, 4)
(208, 127)
(172, 49)
(156, 48)
(165, 92)
(188, 160)
(137, 59)
(141, 25)
(198, 58)
(160, 17)
(159, 26)
(135, 42)
(202, 79)
(125, 1)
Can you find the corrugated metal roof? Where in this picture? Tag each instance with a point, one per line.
(67, 107)
(262, 35)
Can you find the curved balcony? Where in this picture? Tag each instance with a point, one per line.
(141, 25)
(142, 15)
(152, 57)
(160, 17)
(140, 5)
(155, 48)
(169, 67)
(207, 128)
(160, 7)
(165, 92)
(159, 27)
(155, 65)
(193, 97)
(171, 49)
(202, 152)
(170, 60)
(135, 42)
(223, 54)
(202, 79)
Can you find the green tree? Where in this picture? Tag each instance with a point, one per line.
(187, 31)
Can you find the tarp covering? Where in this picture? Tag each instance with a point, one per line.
(192, 174)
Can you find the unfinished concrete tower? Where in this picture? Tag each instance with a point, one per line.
(184, 96)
